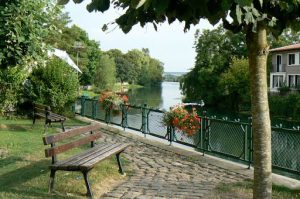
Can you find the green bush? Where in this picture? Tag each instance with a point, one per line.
(284, 90)
(55, 85)
(285, 106)
(11, 80)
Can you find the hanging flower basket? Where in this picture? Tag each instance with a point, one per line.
(112, 100)
(179, 118)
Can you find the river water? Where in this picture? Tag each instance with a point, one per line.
(160, 97)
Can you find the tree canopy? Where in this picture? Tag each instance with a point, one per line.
(214, 52)
(24, 24)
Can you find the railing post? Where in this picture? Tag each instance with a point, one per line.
(82, 106)
(94, 108)
(206, 133)
(250, 142)
(171, 132)
(144, 119)
(124, 116)
(202, 131)
(108, 111)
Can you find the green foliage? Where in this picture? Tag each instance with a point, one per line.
(24, 24)
(75, 40)
(55, 85)
(137, 67)
(105, 74)
(214, 49)
(172, 78)
(235, 84)
(11, 85)
(287, 106)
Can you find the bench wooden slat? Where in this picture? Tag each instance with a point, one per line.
(115, 150)
(40, 114)
(41, 106)
(56, 116)
(72, 166)
(80, 155)
(90, 156)
(73, 132)
(65, 147)
(91, 152)
(89, 162)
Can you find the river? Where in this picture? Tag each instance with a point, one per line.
(160, 97)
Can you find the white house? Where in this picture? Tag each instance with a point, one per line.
(285, 69)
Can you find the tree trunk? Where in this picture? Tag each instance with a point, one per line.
(258, 51)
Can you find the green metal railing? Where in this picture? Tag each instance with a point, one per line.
(221, 137)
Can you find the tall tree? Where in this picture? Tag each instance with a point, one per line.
(215, 49)
(235, 83)
(105, 75)
(256, 18)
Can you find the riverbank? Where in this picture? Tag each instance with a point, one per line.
(118, 87)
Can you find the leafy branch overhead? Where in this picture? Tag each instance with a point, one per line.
(241, 12)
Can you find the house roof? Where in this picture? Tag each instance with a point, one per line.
(286, 48)
(64, 56)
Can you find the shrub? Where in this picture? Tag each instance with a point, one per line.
(11, 80)
(55, 85)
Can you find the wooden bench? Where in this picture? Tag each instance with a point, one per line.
(40, 110)
(82, 162)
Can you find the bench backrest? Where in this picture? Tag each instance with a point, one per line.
(40, 108)
(53, 139)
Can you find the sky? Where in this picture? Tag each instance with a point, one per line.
(170, 44)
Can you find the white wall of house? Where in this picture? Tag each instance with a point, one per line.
(288, 72)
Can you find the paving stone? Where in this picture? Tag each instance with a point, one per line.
(161, 174)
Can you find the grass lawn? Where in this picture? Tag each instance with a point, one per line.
(243, 190)
(24, 169)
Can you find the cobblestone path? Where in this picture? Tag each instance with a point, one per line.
(159, 173)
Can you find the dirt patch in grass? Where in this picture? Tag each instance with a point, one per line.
(3, 126)
(108, 185)
(3, 153)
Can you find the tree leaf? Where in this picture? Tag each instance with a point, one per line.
(249, 18)
(78, 1)
(62, 2)
(238, 13)
(243, 3)
(141, 3)
(100, 5)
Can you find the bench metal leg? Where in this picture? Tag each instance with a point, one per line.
(119, 163)
(87, 184)
(33, 122)
(51, 182)
(62, 126)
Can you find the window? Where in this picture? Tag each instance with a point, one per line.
(278, 63)
(291, 80)
(278, 81)
(292, 59)
(297, 80)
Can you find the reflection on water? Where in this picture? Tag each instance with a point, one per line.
(162, 97)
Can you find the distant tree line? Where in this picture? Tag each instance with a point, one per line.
(172, 78)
